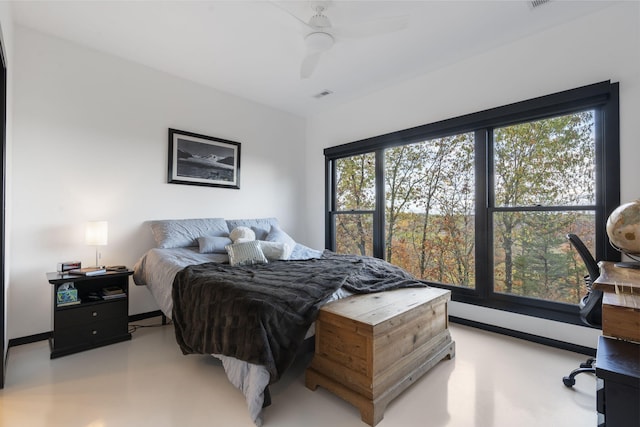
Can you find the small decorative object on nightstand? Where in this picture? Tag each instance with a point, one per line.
(99, 316)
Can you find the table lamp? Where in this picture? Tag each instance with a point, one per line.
(96, 235)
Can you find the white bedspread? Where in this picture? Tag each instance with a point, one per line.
(157, 269)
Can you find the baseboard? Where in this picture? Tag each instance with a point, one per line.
(46, 335)
(13, 342)
(142, 316)
(484, 326)
(526, 336)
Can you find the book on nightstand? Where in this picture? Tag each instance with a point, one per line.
(116, 296)
(112, 292)
(88, 271)
(64, 304)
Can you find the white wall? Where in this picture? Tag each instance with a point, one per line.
(90, 142)
(601, 46)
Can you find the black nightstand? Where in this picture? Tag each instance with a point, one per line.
(93, 322)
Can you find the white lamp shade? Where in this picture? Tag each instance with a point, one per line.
(97, 233)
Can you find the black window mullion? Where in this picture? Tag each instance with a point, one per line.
(482, 228)
(378, 217)
(544, 208)
(330, 203)
(607, 145)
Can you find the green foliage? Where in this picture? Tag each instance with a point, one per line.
(355, 182)
(430, 206)
(548, 162)
(355, 190)
(429, 188)
(356, 234)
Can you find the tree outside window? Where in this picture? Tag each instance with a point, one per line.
(482, 204)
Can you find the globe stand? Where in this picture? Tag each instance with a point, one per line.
(625, 264)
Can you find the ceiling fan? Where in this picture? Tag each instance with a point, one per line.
(321, 35)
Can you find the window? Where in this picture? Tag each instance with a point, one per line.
(481, 204)
(429, 208)
(543, 171)
(355, 200)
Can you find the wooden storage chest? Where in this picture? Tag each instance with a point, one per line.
(369, 348)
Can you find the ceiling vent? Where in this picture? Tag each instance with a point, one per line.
(322, 94)
(538, 3)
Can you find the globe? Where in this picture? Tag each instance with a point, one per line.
(623, 228)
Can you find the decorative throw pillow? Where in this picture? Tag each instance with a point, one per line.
(246, 253)
(277, 235)
(213, 244)
(242, 234)
(275, 250)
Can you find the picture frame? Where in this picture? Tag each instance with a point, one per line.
(196, 159)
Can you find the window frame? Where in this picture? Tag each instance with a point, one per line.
(602, 97)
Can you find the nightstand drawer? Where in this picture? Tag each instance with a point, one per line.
(78, 315)
(82, 335)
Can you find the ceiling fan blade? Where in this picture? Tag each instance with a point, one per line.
(373, 28)
(279, 6)
(309, 64)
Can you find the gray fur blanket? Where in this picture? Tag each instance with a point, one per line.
(260, 313)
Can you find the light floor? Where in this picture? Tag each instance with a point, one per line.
(493, 381)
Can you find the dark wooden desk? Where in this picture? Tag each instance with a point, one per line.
(618, 398)
(618, 356)
(618, 279)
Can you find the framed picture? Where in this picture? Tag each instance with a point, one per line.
(203, 160)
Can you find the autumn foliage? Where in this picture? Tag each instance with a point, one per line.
(539, 187)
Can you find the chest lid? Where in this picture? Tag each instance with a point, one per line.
(375, 309)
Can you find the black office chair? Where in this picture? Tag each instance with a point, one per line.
(590, 305)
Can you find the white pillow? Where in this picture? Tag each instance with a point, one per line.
(246, 253)
(213, 244)
(242, 234)
(277, 235)
(275, 250)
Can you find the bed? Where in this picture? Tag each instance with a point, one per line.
(211, 290)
